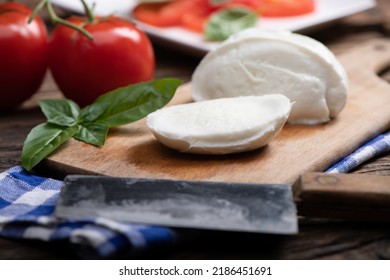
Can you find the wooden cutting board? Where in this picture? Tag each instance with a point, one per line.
(132, 150)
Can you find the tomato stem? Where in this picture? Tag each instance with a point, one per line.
(88, 12)
(36, 10)
(56, 19)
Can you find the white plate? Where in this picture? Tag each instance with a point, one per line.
(327, 11)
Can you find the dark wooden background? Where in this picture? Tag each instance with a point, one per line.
(318, 239)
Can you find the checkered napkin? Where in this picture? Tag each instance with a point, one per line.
(27, 204)
(375, 147)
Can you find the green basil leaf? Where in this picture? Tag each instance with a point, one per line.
(229, 21)
(62, 112)
(134, 102)
(91, 124)
(92, 133)
(93, 111)
(42, 141)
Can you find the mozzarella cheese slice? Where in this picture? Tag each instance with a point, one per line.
(221, 126)
(258, 62)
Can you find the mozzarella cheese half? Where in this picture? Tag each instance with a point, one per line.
(221, 126)
(256, 62)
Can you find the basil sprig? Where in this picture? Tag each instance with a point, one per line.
(229, 21)
(65, 119)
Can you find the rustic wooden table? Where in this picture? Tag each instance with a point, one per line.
(318, 239)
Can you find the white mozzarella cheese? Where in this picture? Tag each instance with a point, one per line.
(221, 126)
(256, 62)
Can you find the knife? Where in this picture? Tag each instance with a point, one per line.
(224, 206)
(237, 207)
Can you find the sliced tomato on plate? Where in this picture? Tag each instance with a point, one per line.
(191, 14)
(194, 14)
(197, 17)
(286, 8)
(162, 14)
(250, 4)
(195, 21)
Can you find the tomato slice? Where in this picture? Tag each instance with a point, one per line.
(190, 14)
(195, 22)
(286, 8)
(197, 17)
(250, 4)
(162, 14)
(194, 14)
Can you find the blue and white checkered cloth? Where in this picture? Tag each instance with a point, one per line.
(373, 148)
(27, 204)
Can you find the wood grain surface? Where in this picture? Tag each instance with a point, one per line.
(318, 238)
(132, 151)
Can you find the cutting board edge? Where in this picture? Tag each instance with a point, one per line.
(67, 168)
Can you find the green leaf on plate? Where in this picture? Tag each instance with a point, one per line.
(42, 141)
(229, 21)
(62, 112)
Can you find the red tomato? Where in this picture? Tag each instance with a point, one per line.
(286, 8)
(119, 54)
(23, 54)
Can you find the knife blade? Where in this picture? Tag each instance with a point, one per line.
(259, 208)
(237, 207)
